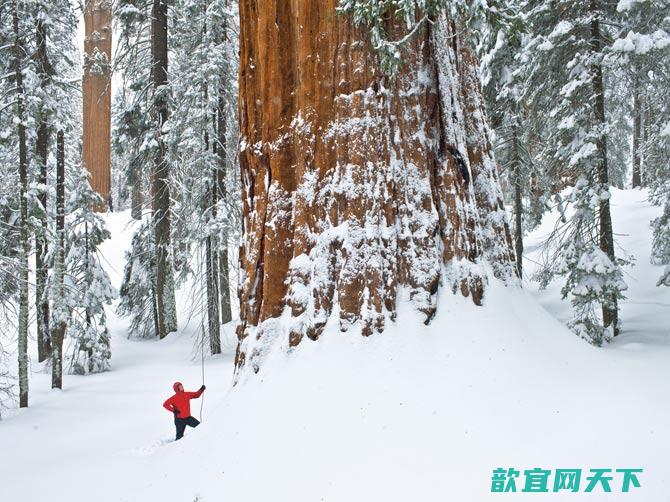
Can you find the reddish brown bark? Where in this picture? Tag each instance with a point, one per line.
(356, 184)
(97, 96)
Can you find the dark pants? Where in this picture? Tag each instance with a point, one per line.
(181, 423)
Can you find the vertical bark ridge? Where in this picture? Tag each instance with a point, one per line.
(97, 96)
(356, 186)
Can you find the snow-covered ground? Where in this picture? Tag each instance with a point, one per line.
(419, 413)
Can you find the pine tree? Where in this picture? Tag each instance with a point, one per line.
(199, 147)
(642, 52)
(137, 297)
(89, 285)
(132, 123)
(24, 244)
(45, 73)
(160, 186)
(502, 79)
(570, 38)
(60, 312)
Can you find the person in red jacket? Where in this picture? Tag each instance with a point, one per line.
(180, 406)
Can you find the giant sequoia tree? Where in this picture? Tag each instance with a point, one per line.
(97, 95)
(357, 183)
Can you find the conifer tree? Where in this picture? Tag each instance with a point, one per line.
(24, 232)
(571, 38)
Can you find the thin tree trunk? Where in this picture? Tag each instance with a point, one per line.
(222, 150)
(610, 312)
(211, 265)
(518, 202)
(637, 116)
(212, 298)
(24, 236)
(136, 195)
(165, 299)
(645, 113)
(355, 184)
(60, 324)
(42, 152)
(222, 258)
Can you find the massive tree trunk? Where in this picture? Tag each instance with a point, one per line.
(160, 188)
(44, 73)
(24, 244)
(356, 184)
(610, 311)
(96, 88)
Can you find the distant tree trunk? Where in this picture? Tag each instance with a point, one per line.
(518, 201)
(160, 194)
(60, 323)
(645, 113)
(355, 184)
(42, 151)
(136, 194)
(211, 259)
(611, 311)
(24, 244)
(637, 116)
(97, 95)
(213, 298)
(222, 258)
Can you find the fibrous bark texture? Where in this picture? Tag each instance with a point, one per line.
(611, 311)
(59, 325)
(160, 188)
(97, 94)
(24, 311)
(44, 72)
(356, 184)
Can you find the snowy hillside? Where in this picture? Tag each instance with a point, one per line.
(419, 413)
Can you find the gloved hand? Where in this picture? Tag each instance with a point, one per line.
(175, 411)
(202, 387)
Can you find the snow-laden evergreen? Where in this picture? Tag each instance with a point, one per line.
(199, 139)
(87, 288)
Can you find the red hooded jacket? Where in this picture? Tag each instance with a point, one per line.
(181, 401)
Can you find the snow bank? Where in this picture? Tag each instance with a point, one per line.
(416, 413)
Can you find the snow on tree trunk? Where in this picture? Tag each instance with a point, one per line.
(59, 312)
(24, 245)
(518, 201)
(160, 189)
(606, 237)
(42, 152)
(637, 133)
(222, 258)
(356, 184)
(96, 88)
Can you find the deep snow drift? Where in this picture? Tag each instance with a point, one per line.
(417, 413)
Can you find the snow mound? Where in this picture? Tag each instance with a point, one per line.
(416, 413)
